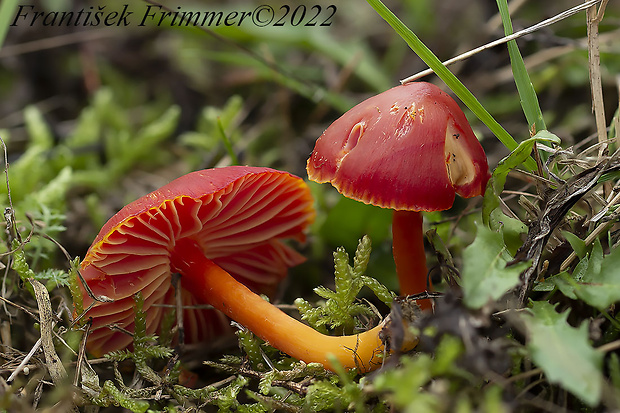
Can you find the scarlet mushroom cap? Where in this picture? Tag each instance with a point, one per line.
(239, 217)
(408, 148)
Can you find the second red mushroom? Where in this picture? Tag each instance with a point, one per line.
(409, 149)
(225, 231)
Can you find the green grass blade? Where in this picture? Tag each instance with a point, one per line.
(227, 144)
(7, 13)
(527, 94)
(447, 77)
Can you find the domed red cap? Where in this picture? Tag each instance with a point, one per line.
(408, 148)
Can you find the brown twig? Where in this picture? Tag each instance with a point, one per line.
(593, 18)
(47, 321)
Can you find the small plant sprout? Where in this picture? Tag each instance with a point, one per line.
(342, 308)
(223, 231)
(409, 149)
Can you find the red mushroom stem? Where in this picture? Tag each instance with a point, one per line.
(215, 286)
(409, 255)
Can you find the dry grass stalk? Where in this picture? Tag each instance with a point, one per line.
(594, 17)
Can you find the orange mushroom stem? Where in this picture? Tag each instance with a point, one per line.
(215, 286)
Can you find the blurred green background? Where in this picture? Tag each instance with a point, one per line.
(94, 117)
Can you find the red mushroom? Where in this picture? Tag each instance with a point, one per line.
(206, 226)
(409, 149)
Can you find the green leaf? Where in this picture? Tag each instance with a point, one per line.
(564, 353)
(565, 283)
(595, 265)
(527, 94)
(600, 285)
(512, 229)
(595, 279)
(568, 283)
(485, 276)
(579, 245)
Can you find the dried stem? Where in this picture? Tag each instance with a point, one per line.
(594, 17)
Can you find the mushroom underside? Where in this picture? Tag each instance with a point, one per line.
(243, 227)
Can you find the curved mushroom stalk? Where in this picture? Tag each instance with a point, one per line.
(242, 218)
(215, 286)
